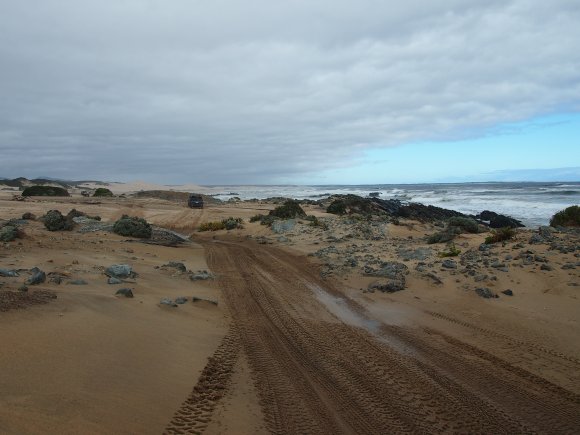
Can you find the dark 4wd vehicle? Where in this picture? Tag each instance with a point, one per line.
(195, 201)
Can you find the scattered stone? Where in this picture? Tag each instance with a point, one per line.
(434, 277)
(23, 288)
(176, 265)
(78, 282)
(449, 264)
(120, 271)
(127, 292)
(568, 266)
(546, 267)
(420, 254)
(200, 275)
(497, 264)
(28, 216)
(113, 280)
(38, 277)
(486, 293)
(508, 292)
(390, 286)
(388, 269)
(283, 226)
(168, 302)
(8, 273)
(180, 300)
(480, 277)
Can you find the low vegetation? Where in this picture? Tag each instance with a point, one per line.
(569, 217)
(55, 221)
(466, 225)
(453, 251)
(103, 192)
(352, 204)
(133, 227)
(289, 210)
(45, 191)
(500, 235)
(225, 224)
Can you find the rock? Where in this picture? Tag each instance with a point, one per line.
(388, 269)
(28, 216)
(536, 239)
(168, 302)
(568, 266)
(486, 293)
(78, 282)
(38, 277)
(283, 226)
(484, 247)
(497, 264)
(449, 264)
(113, 280)
(200, 275)
(498, 220)
(180, 300)
(127, 292)
(420, 254)
(434, 277)
(120, 271)
(8, 273)
(480, 277)
(546, 267)
(176, 265)
(23, 288)
(391, 286)
(508, 292)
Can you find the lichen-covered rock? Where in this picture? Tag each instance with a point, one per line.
(120, 271)
(133, 227)
(388, 269)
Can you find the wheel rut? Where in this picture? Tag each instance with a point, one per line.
(316, 374)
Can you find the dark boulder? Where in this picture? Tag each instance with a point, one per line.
(120, 271)
(486, 293)
(127, 292)
(498, 220)
(37, 277)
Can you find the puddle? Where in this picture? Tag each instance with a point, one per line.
(339, 307)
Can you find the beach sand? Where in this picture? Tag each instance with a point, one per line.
(297, 342)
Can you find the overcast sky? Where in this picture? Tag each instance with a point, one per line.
(225, 91)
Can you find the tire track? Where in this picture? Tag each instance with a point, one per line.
(316, 374)
(196, 411)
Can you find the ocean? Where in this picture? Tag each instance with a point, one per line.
(532, 203)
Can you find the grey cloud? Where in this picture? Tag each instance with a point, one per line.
(233, 92)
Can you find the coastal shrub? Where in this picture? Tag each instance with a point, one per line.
(569, 217)
(452, 252)
(45, 191)
(351, 204)
(289, 210)
(102, 191)
(256, 218)
(75, 213)
(315, 222)
(500, 235)
(444, 236)
(467, 225)
(337, 206)
(225, 224)
(28, 216)
(133, 227)
(8, 233)
(55, 221)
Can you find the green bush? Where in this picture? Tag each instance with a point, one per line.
(256, 218)
(444, 236)
(337, 206)
(133, 227)
(101, 191)
(8, 233)
(225, 224)
(467, 225)
(452, 252)
(569, 217)
(45, 191)
(289, 210)
(315, 222)
(55, 221)
(500, 235)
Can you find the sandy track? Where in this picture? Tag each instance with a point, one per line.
(320, 369)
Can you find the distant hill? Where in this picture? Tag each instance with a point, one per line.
(44, 181)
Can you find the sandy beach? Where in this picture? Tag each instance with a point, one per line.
(289, 331)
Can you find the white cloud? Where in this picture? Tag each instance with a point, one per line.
(228, 91)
